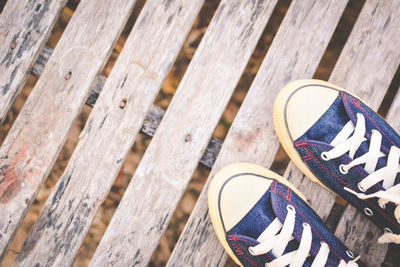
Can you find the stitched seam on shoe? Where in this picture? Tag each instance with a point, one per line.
(254, 244)
(234, 242)
(344, 183)
(277, 208)
(316, 232)
(350, 100)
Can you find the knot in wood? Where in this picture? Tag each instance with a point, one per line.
(188, 138)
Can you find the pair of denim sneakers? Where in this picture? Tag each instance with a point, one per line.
(336, 141)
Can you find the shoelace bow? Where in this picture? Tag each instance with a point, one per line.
(346, 142)
(276, 242)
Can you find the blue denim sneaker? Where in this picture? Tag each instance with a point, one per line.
(337, 141)
(261, 219)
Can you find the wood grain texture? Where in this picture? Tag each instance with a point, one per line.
(110, 131)
(32, 145)
(182, 137)
(366, 67)
(153, 117)
(307, 27)
(21, 42)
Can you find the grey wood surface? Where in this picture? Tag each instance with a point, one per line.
(109, 133)
(295, 53)
(368, 63)
(152, 119)
(182, 137)
(21, 42)
(33, 142)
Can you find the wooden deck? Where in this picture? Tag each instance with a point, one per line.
(181, 135)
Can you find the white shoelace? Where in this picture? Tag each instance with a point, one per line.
(276, 242)
(343, 143)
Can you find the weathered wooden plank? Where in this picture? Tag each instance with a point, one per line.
(110, 131)
(21, 42)
(368, 62)
(295, 53)
(40, 130)
(183, 134)
(153, 117)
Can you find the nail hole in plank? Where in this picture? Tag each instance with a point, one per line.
(196, 184)
(132, 160)
(56, 33)
(73, 137)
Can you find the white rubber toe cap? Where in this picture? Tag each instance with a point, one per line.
(238, 197)
(305, 106)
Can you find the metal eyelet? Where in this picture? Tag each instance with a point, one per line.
(368, 212)
(387, 230)
(324, 156)
(250, 249)
(362, 189)
(350, 254)
(342, 169)
(290, 207)
(305, 225)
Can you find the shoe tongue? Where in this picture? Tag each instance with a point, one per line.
(390, 138)
(373, 121)
(279, 210)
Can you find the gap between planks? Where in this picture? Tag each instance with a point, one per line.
(308, 27)
(361, 76)
(134, 82)
(21, 42)
(152, 119)
(171, 158)
(36, 137)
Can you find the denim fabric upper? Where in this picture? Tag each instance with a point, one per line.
(317, 139)
(273, 205)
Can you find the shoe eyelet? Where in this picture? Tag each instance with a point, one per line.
(383, 206)
(290, 207)
(324, 156)
(343, 170)
(368, 212)
(250, 249)
(387, 230)
(361, 188)
(305, 225)
(350, 254)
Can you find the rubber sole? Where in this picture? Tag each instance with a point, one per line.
(217, 185)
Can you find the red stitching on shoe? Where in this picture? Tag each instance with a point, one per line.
(344, 183)
(252, 243)
(236, 244)
(277, 208)
(357, 104)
